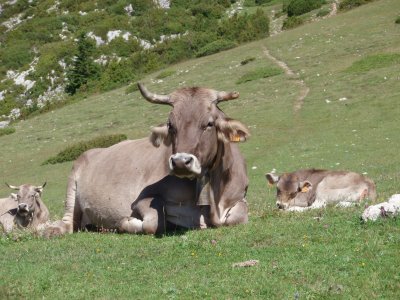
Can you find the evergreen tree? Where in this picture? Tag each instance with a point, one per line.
(83, 67)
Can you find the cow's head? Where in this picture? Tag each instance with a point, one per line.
(195, 128)
(288, 187)
(28, 198)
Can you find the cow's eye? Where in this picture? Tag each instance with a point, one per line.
(210, 124)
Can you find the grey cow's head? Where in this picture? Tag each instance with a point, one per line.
(195, 128)
(288, 187)
(28, 198)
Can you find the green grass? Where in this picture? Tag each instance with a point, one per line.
(165, 74)
(258, 74)
(373, 62)
(322, 254)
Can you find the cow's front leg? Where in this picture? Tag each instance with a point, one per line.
(238, 214)
(148, 217)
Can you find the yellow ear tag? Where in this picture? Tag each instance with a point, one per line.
(235, 138)
(270, 184)
(304, 189)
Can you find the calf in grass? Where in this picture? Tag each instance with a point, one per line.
(311, 188)
(24, 209)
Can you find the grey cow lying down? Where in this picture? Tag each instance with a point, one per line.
(307, 189)
(24, 209)
(189, 173)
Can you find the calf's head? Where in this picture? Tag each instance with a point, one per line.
(196, 128)
(28, 198)
(288, 187)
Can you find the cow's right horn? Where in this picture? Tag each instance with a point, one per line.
(13, 187)
(154, 98)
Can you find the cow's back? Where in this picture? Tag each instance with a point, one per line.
(345, 186)
(109, 180)
(7, 219)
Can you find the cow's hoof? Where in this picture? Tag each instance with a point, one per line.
(53, 231)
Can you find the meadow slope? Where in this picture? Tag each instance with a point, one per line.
(348, 120)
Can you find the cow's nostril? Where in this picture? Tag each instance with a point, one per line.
(173, 163)
(23, 206)
(280, 206)
(188, 160)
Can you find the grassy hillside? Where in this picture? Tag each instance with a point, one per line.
(349, 120)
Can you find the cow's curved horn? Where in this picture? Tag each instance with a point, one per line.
(13, 187)
(39, 188)
(154, 98)
(225, 96)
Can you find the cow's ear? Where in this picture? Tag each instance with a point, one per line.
(230, 130)
(272, 178)
(14, 196)
(305, 186)
(159, 134)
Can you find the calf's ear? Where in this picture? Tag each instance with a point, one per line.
(159, 134)
(272, 178)
(230, 130)
(305, 186)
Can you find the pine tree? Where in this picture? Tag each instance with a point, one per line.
(83, 67)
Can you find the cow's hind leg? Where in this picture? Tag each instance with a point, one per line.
(147, 217)
(238, 214)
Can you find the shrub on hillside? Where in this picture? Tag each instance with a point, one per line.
(247, 60)
(245, 27)
(214, 47)
(397, 20)
(258, 74)
(292, 22)
(300, 7)
(7, 130)
(349, 4)
(74, 151)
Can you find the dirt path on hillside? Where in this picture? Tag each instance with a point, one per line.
(304, 89)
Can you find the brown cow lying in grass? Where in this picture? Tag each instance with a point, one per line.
(311, 188)
(24, 209)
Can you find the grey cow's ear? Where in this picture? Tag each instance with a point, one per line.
(230, 130)
(159, 134)
(272, 178)
(305, 186)
(14, 196)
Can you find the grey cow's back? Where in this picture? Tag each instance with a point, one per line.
(109, 180)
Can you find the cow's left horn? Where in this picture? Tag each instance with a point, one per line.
(154, 98)
(13, 187)
(225, 96)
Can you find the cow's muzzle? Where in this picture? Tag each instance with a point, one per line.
(23, 209)
(281, 205)
(184, 165)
